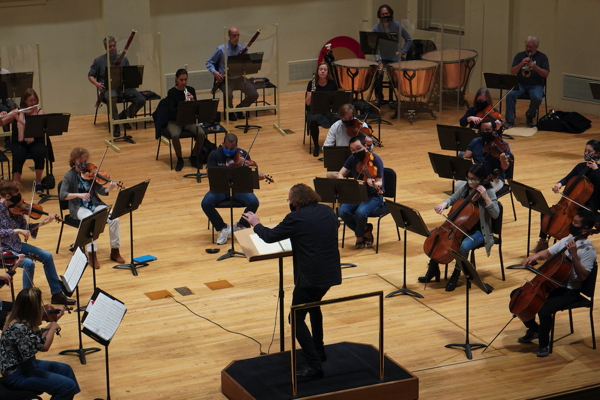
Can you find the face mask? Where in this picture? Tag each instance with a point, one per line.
(574, 230)
(487, 136)
(15, 199)
(590, 156)
(348, 123)
(229, 153)
(360, 155)
(82, 166)
(481, 104)
(473, 183)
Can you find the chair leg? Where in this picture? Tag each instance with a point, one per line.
(571, 321)
(592, 326)
(512, 200)
(343, 233)
(377, 238)
(501, 260)
(551, 344)
(62, 225)
(158, 149)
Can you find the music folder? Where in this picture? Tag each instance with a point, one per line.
(102, 316)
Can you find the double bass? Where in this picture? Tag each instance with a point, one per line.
(527, 300)
(577, 192)
(464, 214)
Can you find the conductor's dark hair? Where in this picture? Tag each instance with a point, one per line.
(302, 195)
(385, 6)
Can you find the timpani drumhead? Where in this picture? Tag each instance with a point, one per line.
(457, 65)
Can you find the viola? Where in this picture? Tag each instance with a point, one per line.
(497, 147)
(34, 210)
(357, 128)
(51, 313)
(527, 301)
(240, 160)
(368, 170)
(101, 177)
(578, 191)
(464, 214)
(489, 110)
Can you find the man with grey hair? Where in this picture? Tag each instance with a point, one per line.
(97, 76)
(532, 69)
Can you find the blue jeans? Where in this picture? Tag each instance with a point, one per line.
(29, 266)
(536, 93)
(355, 215)
(210, 200)
(54, 378)
(467, 244)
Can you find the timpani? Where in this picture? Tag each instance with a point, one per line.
(355, 74)
(458, 65)
(413, 82)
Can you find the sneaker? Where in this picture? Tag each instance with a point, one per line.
(224, 235)
(529, 336)
(542, 244)
(236, 228)
(543, 352)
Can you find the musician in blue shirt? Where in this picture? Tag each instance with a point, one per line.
(216, 66)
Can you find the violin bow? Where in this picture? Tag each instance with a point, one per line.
(498, 102)
(97, 169)
(29, 213)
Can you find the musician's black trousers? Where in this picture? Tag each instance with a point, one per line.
(556, 301)
(311, 346)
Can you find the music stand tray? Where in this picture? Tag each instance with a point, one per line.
(17, 82)
(90, 229)
(244, 65)
(128, 200)
(122, 78)
(455, 138)
(408, 219)
(334, 157)
(369, 40)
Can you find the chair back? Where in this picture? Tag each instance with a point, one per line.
(588, 287)
(63, 204)
(389, 181)
(497, 222)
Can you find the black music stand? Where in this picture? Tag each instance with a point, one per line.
(410, 220)
(450, 167)
(16, 83)
(533, 199)
(196, 112)
(500, 81)
(89, 230)
(338, 191)
(70, 283)
(128, 200)
(471, 275)
(243, 65)
(231, 180)
(122, 78)
(455, 138)
(101, 321)
(369, 40)
(334, 157)
(43, 126)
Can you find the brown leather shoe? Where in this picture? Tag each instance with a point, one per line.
(93, 259)
(60, 298)
(115, 255)
(542, 244)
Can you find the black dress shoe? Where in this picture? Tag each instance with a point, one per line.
(232, 117)
(316, 151)
(116, 131)
(311, 373)
(453, 281)
(179, 165)
(127, 126)
(433, 271)
(60, 298)
(240, 115)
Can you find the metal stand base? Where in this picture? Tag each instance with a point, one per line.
(467, 347)
(247, 127)
(132, 266)
(231, 253)
(125, 138)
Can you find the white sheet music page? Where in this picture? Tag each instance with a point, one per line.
(270, 248)
(75, 269)
(104, 316)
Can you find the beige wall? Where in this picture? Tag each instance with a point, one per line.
(70, 34)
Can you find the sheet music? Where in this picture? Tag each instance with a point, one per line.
(75, 270)
(270, 248)
(104, 316)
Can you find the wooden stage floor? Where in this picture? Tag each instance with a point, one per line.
(164, 351)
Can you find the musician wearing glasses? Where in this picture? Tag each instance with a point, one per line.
(216, 66)
(97, 77)
(387, 24)
(532, 68)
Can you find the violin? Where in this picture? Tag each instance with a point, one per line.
(489, 110)
(240, 160)
(464, 214)
(101, 177)
(497, 147)
(368, 170)
(578, 191)
(35, 210)
(527, 300)
(357, 128)
(51, 313)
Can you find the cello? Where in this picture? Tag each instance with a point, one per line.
(464, 214)
(578, 191)
(526, 301)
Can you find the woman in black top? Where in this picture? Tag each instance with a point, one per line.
(182, 92)
(322, 82)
